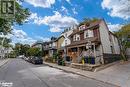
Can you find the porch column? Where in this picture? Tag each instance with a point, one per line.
(94, 48)
(78, 50)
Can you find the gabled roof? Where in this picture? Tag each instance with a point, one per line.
(91, 26)
(60, 37)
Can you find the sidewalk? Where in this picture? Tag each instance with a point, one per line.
(118, 74)
(3, 61)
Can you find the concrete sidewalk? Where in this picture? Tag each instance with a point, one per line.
(118, 74)
(3, 61)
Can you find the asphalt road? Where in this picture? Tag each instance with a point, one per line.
(24, 74)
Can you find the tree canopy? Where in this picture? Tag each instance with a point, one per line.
(21, 14)
(124, 39)
(88, 21)
(21, 49)
(34, 52)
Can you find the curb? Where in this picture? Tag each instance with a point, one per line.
(79, 74)
(105, 66)
(4, 62)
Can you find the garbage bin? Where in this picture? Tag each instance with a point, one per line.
(59, 61)
(89, 60)
(92, 60)
(86, 59)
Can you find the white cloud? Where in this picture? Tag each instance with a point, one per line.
(27, 40)
(56, 21)
(114, 27)
(63, 9)
(6, 36)
(68, 1)
(19, 33)
(41, 3)
(55, 29)
(74, 11)
(34, 18)
(117, 8)
(18, 1)
(19, 36)
(42, 38)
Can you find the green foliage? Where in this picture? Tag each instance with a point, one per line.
(87, 21)
(123, 37)
(21, 49)
(21, 14)
(12, 54)
(33, 52)
(5, 42)
(55, 55)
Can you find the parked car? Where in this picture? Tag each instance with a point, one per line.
(30, 59)
(21, 56)
(37, 60)
(26, 58)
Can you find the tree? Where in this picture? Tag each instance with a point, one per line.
(5, 42)
(34, 52)
(87, 21)
(123, 37)
(17, 49)
(21, 14)
(21, 49)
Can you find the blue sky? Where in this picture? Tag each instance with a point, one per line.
(50, 17)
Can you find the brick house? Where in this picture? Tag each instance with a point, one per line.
(95, 40)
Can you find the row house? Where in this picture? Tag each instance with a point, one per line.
(58, 44)
(50, 47)
(90, 40)
(93, 40)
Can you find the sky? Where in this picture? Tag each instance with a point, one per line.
(50, 17)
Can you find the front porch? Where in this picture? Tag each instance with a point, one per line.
(87, 53)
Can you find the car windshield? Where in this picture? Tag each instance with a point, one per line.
(37, 57)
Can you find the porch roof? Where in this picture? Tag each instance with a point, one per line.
(83, 42)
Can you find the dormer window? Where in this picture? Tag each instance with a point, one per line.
(82, 27)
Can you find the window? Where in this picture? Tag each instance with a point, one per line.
(66, 35)
(112, 49)
(74, 38)
(65, 42)
(86, 34)
(77, 38)
(95, 32)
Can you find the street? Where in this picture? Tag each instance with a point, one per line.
(24, 74)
